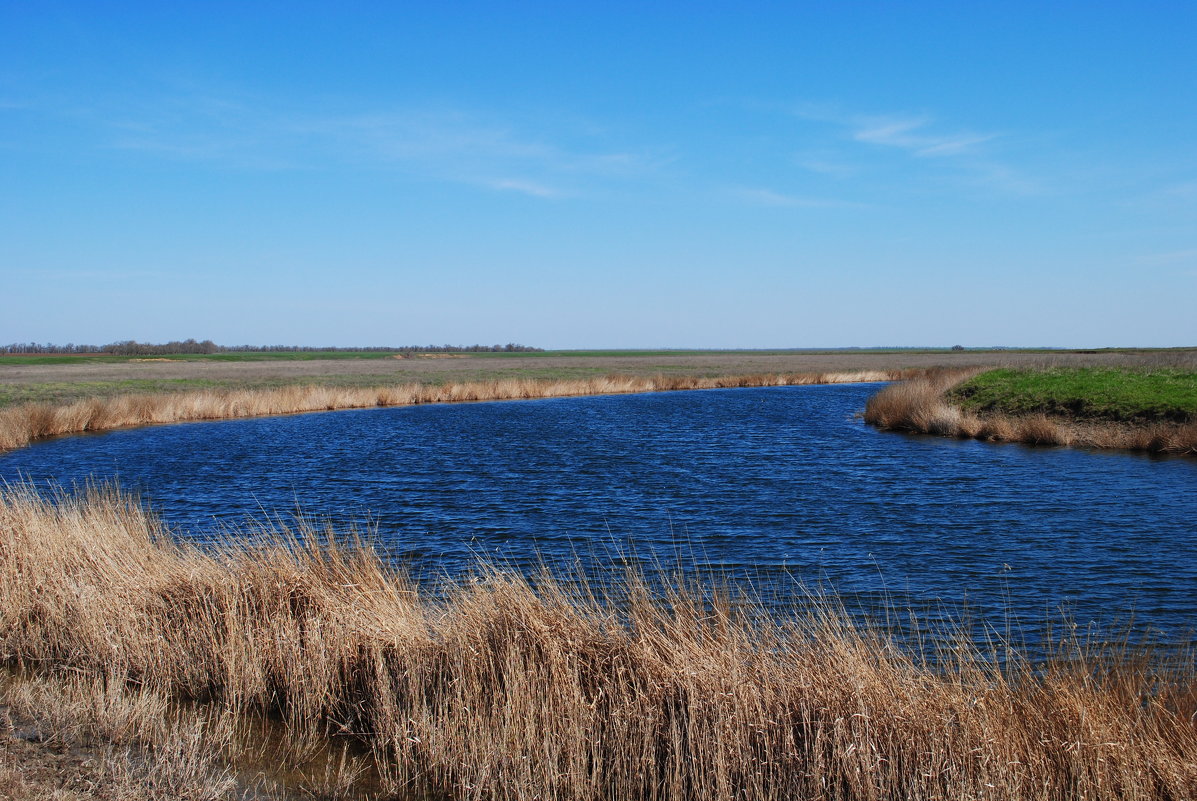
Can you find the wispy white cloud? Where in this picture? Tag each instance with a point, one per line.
(440, 144)
(823, 164)
(767, 197)
(84, 275)
(525, 188)
(915, 135)
(963, 155)
(918, 134)
(995, 176)
(236, 152)
(195, 126)
(1163, 196)
(470, 149)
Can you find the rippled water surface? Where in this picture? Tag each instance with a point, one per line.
(771, 486)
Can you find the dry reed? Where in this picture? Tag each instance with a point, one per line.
(919, 405)
(504, 688)
(106, 739)
(133, 747)
(22, 424)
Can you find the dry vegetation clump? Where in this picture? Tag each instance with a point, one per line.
(73, 736)
(22, 424)
(500, 687)
(88, 738)
(919, 405)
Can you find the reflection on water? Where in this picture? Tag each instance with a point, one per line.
(773, 488)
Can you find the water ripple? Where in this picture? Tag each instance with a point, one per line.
(773, 486)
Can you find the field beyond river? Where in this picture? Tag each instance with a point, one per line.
(65, 379)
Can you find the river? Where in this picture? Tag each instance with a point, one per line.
(777, 490)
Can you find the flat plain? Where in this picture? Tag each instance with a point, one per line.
(66, 379)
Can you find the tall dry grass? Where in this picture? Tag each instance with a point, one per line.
(22, 424)
(102, 737)
(919, 405)
(503, 688)
(128, 743)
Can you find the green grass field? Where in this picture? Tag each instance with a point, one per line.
(1090, 393)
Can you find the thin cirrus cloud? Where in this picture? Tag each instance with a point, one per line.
(914, 134)
(760, 196)
(966, 157)
(525, 188)
(452, 146)
(464, 148)
(96, 275)
(830, 167)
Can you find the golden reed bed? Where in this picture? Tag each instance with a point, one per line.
(20, 425)
(501, 688)
(918, 405)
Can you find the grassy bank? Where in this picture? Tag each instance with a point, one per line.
(1083, 393)
(24, 423)
(1132, 409)
(500, 688)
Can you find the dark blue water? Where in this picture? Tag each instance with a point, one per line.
(771, 487)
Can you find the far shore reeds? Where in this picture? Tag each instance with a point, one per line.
(25, 423)
(505, 688)
(923, 405)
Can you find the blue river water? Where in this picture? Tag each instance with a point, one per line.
(776, 489)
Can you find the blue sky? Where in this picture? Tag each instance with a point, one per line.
(599, 175)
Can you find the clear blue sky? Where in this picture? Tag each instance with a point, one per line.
(600, 174)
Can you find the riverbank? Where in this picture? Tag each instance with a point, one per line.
(28, 422)
(1125, 409)
(501, 688)
(45, 396)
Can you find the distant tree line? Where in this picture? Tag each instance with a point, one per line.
(132, 348)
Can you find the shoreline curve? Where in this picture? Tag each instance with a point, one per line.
(27, 423)
(919, 406)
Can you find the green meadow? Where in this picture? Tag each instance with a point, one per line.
(1091, 393)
